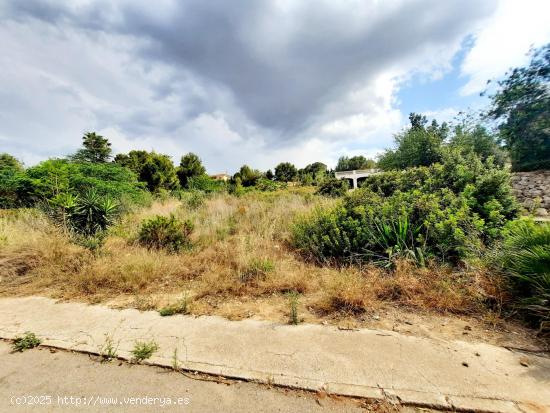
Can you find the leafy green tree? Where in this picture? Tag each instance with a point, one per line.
(419, 145)
(133, 160)
(313, 174)
(480, 141)
(96, 149)
(355, 162)
(11, 170)
(316, 168)
(159, 172)
(269, 175)
(190, 167)
(154, 169)
(522, 105)
(8, 161)
(285, 172)
(247, 176)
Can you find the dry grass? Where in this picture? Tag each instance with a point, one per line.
(239, 256)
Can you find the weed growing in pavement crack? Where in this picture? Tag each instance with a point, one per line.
(175, 363)
(27, 341)
(293, 302)
(108, 350)
(144, 350)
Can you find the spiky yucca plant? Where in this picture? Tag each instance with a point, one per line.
(525, 255)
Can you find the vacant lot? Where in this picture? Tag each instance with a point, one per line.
(241, 265)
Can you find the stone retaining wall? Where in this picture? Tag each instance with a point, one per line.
(533, 190)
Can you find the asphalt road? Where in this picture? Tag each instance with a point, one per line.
(39, 380)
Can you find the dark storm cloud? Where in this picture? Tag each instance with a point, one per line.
(281, 66)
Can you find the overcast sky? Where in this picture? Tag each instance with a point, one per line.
(248, 81)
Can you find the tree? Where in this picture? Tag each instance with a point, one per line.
(419, 145)
(10, 172)
(479, 140)
(190, 166)
(355, 162)
(156, 170)
(285, 172)
(159, 172)
(8, 161)
(134, 160)
(522, 105)
(96, 149)
(247, 176)
(316, 169)
(269, 175)
(313, 174)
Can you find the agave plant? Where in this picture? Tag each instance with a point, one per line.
(92, 214)
(397, 238)
(525, 255)
(85, 217)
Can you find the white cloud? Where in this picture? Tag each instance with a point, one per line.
(504, 39)
(277, 81)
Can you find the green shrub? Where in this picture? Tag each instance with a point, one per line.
(256, 269)
(167, 233)
(367, 226)
(193, 199)
(333, 187)
(485, 186)
(267, 185)
(524, 254)
(205, 183)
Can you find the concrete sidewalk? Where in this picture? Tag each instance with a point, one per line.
(363, 363)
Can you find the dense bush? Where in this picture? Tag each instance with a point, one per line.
(167, 233)
(205, 183)
(448, 211)
(192, 199)
(266, 185)
(333, 187)
(59, 176)
(524, 254)
(484, 185)
(368, 226)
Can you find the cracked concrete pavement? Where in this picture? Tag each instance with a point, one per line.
(364, 363)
